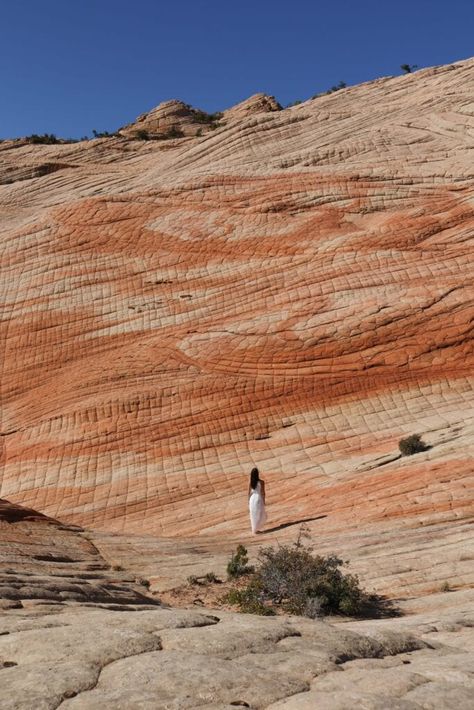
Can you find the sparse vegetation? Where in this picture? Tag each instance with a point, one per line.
(336, 87)
(331, 90)
(445, 587)
(238, 563)
(408, 68)
(51, 139)
(141, 135)
(173, 132)
(291, 579)
(412, 445)
(207, 118)
(208, 578)
(45, 138)
(294, 103)
(103, 134)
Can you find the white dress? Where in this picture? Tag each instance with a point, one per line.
(257, 509)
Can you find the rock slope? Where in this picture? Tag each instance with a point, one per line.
(162, 658)
(75, 632)
(291, 290)
(43, 561)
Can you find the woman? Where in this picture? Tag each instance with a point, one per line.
(256, 501)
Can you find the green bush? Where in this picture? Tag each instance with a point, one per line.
(412, 445)
(238, 563)
(141, 135)
(249, 599)
(290, 578)
(308, 585)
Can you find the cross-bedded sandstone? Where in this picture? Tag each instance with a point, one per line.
(291, 290)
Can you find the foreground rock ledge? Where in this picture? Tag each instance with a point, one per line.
(78, 657)
(79, 631)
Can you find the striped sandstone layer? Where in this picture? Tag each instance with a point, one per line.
(45, 562)
(291, 290)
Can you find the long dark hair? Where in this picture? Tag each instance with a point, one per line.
(254, 478)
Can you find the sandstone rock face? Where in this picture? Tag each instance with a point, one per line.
(174, 119)
(293, 290)
(95, 658)
(171, 119)
(43, 561)
(258, 103)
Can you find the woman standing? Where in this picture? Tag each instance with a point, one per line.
(256, 501)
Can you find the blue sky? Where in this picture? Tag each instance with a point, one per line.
(70, 66)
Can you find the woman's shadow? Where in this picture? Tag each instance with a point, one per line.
(293, 522)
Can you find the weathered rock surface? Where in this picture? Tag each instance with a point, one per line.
(175, 119)
(95, 658)
(107, 649)
(42, 561)
(258, 103)
(293, 290)
(175, 116)
(330, 298)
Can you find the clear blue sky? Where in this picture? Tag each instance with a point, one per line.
(69, 66)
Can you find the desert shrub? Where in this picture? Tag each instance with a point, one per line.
(291, 579)
(336, 87)
(308, 585)
(102, 134)
(47, 138)
(238, 563)
(412, 445)
(249, 599)
(408, 68)
(203, 117)
(174, 132)
(141, 135)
